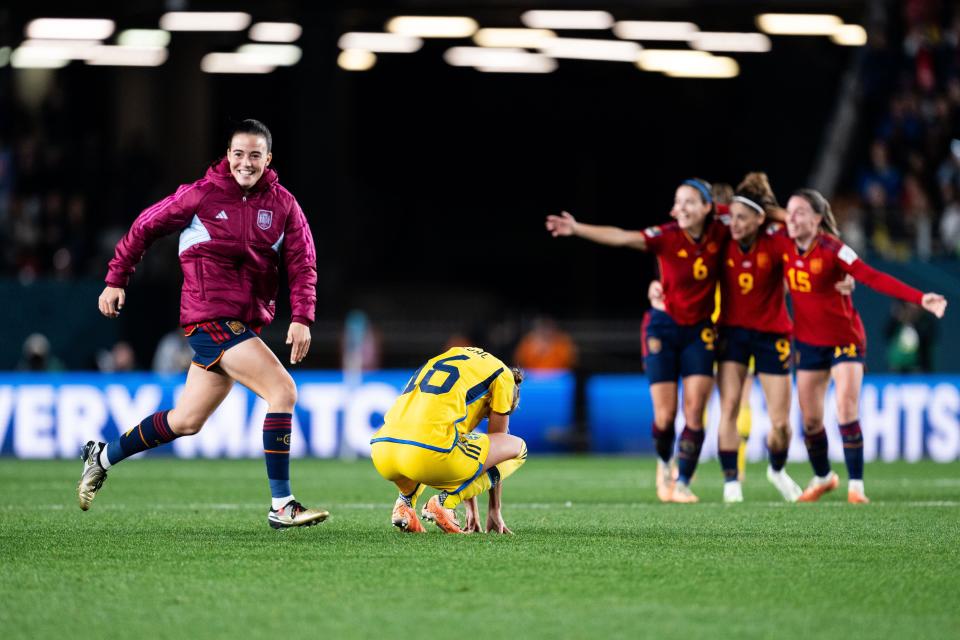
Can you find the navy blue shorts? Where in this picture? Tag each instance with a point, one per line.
(672, 351)
(770, 351)
(210, 340)
(813, 358)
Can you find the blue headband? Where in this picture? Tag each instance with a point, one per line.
(699, 186)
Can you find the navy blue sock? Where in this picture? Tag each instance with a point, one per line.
(728, 463)
(152, 432)
(691, 441)
(276, 451)
(663, 441)
(778, 459)
(853, 448)
(817, 450)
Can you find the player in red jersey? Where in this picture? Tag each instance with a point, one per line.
(679, 341)
(829, 335)
(754, 323)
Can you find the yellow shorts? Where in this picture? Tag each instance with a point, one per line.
(447, 470)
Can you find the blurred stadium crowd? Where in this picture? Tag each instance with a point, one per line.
(904, 197)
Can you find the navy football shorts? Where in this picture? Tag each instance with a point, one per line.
(814, 358)
(210, 340)
(770, 351)
(672, 351)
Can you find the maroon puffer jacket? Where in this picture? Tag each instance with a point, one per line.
(230, 247)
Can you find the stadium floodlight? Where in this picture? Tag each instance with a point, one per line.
(36, 58)
(850, 35)
(356, 60)
(59, 49)
(278, 55)
(537, 64)
(523, 38)
(275, 32)
(144, 38)
(433, 26)
(663, 59)
(539, 19)
(123, 56)
(205, 21)
(798, 24)
(709, 67)
(70, 28)
(728, 41)
(655, 30)
(488, 57)
(588, 49)
(499, 60)
(233, 63)
(379, 42)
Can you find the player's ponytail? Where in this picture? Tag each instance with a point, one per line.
(821, 206)
(755, 192)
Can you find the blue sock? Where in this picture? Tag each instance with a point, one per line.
(663, 441)
(778, 459)
(691, 441)
(728, 463)
(853, 448)
(152, 432)
(276, 452)
(817, 450)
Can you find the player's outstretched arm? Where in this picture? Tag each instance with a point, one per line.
(111, 301)
(934, 303)
(888, 285)
(566, 225)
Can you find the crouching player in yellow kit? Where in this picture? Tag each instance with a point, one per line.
(428, 439)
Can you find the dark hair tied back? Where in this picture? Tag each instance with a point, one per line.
(253, 127)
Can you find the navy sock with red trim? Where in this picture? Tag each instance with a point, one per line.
(663, 440)
(853, 448)
(817, 450)
(691, 441)
(728, 463)
(276, 451)
(149, 434)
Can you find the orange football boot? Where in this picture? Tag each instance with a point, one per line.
(857, 497)
(818, 487)
(446, 519)
(405, 518)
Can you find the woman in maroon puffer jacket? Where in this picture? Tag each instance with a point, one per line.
(234, 225)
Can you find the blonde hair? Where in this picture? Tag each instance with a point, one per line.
(820, 206)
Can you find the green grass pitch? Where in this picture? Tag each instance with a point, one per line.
(181, 549)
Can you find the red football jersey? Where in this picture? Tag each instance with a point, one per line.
(688, 268)
(823, 316)
(751, 285)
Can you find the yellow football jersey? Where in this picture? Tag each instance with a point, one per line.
(450, 394)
